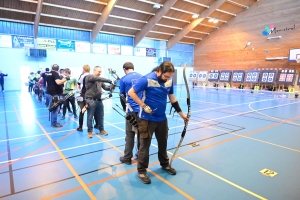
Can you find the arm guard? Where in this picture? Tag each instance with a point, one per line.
(176, 106)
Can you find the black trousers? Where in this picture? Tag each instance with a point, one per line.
(2, 85)
(66, 105)
(130, 134)
(161, 133)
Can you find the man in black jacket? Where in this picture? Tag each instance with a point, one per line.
(2, 80)
(54, 90)
(93, 85)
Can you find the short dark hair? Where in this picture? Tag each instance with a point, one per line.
(55, 67)
(47, 69)
(164, 67)
(128, 65)
(67, 70)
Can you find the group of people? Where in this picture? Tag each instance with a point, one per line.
(144, 99)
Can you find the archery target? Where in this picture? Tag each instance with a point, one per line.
(193, 76)
(252, 77)
(213, 76)
(202, 75)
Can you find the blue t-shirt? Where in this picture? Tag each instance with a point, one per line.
(126, 82)
(155, 94)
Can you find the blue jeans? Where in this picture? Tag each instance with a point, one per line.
(54, 113)
(97, 107)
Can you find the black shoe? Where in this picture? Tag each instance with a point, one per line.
(126, 161)
(170, 170)
(79, 129)
(75, 117)
(58, 125)
(144, 178)
(137, 155)
(62, 117)
(97, 126)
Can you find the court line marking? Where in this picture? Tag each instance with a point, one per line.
(234, 105)
(217, 176)
(269, 116)
(153, 173)
(241, 113)
(156, 175)
(32, 153)
(277, 145)
(81, 182)
(17, 114)
(66, 149)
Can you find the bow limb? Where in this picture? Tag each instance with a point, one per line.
(188, 115)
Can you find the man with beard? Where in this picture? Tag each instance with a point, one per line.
(156, 87)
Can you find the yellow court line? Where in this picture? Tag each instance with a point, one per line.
(277, 145)
(156, 175)
(19, 120)
(217, 176)
(84, 186)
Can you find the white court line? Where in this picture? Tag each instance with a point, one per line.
(66, 149)
(207, 102)
(234, 105)
(273, 144)
(241, 113)
(51, 133)
(270, 115)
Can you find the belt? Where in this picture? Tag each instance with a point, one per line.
(94, 99)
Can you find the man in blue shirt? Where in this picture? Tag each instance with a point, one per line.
(156, 87)
(131, 107)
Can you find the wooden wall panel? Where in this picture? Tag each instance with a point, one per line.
(224, 48)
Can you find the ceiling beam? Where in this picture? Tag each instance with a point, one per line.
(37, 17)
(102, 19)
(187, 28)
(153, 20)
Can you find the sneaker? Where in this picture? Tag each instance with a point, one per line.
(62, 117)
(126, 161)
(57, 125)
(170, 170)
(103, 132)
(79, 129)
(90, 134)
(75, 116)
(144, 178)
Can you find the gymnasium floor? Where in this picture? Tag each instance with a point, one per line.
(239, 134)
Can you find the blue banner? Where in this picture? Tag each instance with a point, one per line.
(22, 42)
(65, 45)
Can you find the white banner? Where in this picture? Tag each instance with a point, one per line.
(82, 47)
(100, 48)
(114, 49)
(202, 76)
(127, 50)
(5, 41)
(139, 51)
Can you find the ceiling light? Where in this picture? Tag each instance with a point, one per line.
(156, 6)
(216, 21)
(195, 16)
(211, 19)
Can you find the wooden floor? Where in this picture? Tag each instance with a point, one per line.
(244, 139)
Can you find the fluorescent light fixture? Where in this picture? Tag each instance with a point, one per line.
(216, 21)
(274, 37)
(195, 16)
(277, 58)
